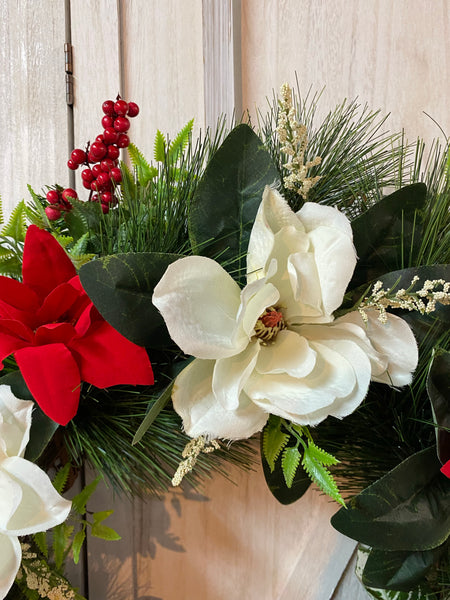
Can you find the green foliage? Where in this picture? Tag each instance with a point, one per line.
(290, 461)
(314, 461)
(144, 171)
(438, 388)
(274, 440)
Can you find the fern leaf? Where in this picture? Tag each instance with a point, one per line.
(61, 541)
(145, 172)
(159, 152)
(274, 441)
(80, 500)
(60, 479)
(11, 267)
(289, 463)
(321, 477)
(16, 227)
(320, 455)
(41, 542)
(78, 541)
(180, 142)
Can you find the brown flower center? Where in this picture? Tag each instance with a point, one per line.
(269, 324)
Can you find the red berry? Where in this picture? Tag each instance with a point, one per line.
(69, 194)
(107, 121)
(99, 138)
(107, 164)
(53, 196)
(133, 109)
(121, 107)
(106, 197)
(116, 175)
(94, 186)
(113, 151)
(123, 141)
(94, 198)
(98, 150)
(91, 157)
(72, 165)
(108, 107)
(105, 208)
(96, 170)
(86, 184)
(78, 156)
(103, 179)
(122, 124)
(110, 135)
(52, 213)
(87, 175)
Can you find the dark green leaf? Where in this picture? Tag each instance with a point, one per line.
(154, 411)
(277, 484)
(400, 570)
(407, 509)
(42, 427)
(387, 234)
(121, 287)
(228, 196)
(438, 388)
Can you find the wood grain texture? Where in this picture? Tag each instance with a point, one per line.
(393, 55)
(33, 119)
(225, 542)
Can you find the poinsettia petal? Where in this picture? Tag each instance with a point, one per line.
(54, 333)
(45, 262)
(202, 414)
(40, 506)
(290, 353)
(53, 378)
(11, 553)
(199, 301)
(15, 422)
(12, 337)
(15, 296)
(60, 304)
(445, 469)
(230, 375)
(106, 358)
(393, 341)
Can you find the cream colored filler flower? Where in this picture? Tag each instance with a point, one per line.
(274, 347)
(28, 501)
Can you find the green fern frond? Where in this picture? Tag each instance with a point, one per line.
(159, 147)
(145, 172)
(321, 476)
(16, 227)
(61, 477)
(289, 463)
(320, 455)
(180, 142)
(40, 540)
(11, 267)
(274, 441)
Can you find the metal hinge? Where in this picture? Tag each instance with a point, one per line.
(69, 73)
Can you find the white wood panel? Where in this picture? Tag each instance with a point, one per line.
(225, 542)
(32, 96)
(392, 54)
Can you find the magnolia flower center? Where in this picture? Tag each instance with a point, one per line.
(269, 324)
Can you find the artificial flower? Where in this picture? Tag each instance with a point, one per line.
(28, 501)
(57, 336)
(274, 347)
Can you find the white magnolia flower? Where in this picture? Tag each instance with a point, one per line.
(274, 347)
(28, 501)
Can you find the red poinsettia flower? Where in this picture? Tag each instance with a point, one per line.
(56, 334)
(446, 469)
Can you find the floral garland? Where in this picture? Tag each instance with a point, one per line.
(225, 292)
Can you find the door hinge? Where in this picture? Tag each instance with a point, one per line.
(68, 62)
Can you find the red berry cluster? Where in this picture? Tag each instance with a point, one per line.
(101, 158)
(59, 201)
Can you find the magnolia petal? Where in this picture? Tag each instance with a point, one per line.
(199, 302)
(290, 353)
(230, 375)
(281, 394)
(45, 262)
(313, 215)
(40, 507)
(15, 422)
(53, 378)
(10, 497)
(11, 557)
(306, 290)
(393, 341)
(106, 358)
(273, 215)
(255, 298)
(195, 402)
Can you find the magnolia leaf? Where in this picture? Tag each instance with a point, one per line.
(273, 441)
(399, 570)
(407, 509)
(81, 499)
(320, 475)
(438, 388)
(391, 244)
(77, 544)
(121, 287)
(42, 427)
(277, 484)
(290, 461)
(225, 204)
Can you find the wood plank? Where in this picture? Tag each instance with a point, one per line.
(32, 95)
(225, 542)
(391, 55)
